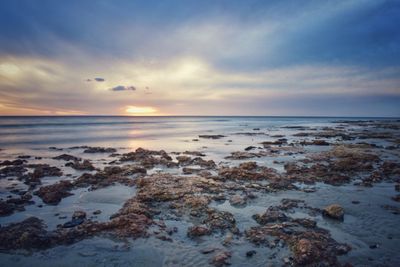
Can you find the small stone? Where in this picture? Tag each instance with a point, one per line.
(79, 214)
(228, 239)
(208, 250)
(250, 253)
(221, 258)
(374, 246)
(97, 212)
(396, 198)
(334, 211)
(198, 230)
(237, 200)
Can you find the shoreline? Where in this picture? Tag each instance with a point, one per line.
(244, 195)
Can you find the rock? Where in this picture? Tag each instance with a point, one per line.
(221, 258)
(392, 209)
(185, 161)
(99, 150)
(52, 194)
(194, 153)
(272, 215)
(79, 214)
(16, 162)
(248, 171)
(67, 157)
(216, 136)
(305, 252)
(221, 220)
(237, 200)
(172, 230)
(249, 148)
(73, 223)
(27, 234)
(374, 246)
(6, 208)
(96, 212)
(198, 230)
(250, 253)
(24, 157)
(149, 158)
(396, 198)
(306, 223)
(316, 142)
(208, 250)
(81, 166)
(10, 171)
(228, 239)
(40, 171)
(334, 211)
(280, 141)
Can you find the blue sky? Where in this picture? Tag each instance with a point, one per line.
(200, 57)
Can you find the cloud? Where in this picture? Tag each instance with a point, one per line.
(96, 79)
(248, 58)
(123, 88)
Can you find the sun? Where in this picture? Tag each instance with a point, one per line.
(142, 111)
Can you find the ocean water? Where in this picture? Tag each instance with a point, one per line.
(366, 224)
(125, 131)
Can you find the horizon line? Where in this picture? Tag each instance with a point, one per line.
(261, 116)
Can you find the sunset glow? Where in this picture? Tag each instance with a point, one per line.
(134, 110)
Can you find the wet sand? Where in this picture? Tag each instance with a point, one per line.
(244, 193)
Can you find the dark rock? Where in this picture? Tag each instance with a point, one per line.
(334, 211)
(27, 234)
(43, 170)
(67, 157)
(79, 214)
(52, 194)
(250, 253)
(198, 230)
(396, 198)
(16, 162)
(10, 171)
(249, 148)
(99, 150)
(24, 157)
(194, 153)
(81, 166)
(316, 142)
(272, 215)
(215, 136)
(374, 246)
(6, 208)
(73, 223)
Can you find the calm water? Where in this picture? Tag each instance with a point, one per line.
(123, 131)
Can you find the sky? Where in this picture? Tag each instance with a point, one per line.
(209, 57)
